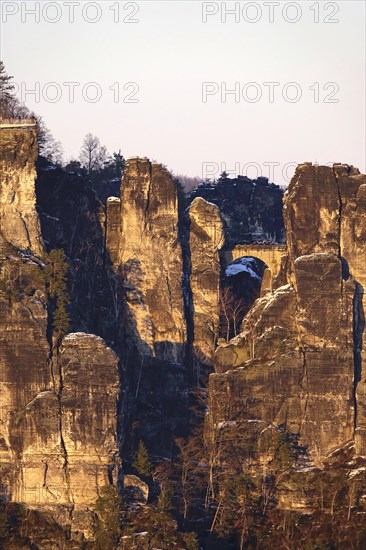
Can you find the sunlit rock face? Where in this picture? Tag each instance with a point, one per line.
(58, 413)
(333, 218)
(205, 241)
(19, 223)
(325, 211)
(24, 370)
(297, 361)
(88, 413)
(149, 258)
(61, 440)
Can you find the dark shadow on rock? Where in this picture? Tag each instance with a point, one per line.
(251, 209)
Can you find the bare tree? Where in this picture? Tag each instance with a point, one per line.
(232, 311)
(49, 148)
(93, 155)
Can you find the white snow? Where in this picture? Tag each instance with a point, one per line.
(113, 199)
(81, 335)
(225, 424)
(243, 265)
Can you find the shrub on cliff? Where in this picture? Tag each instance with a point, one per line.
(165, 499)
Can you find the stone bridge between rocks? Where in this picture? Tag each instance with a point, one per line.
(270, 254)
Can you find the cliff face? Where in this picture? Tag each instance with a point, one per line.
(88, 394)
(297, 362)
(206, 238)
(58, 414)
(19, 223)
(150, 259)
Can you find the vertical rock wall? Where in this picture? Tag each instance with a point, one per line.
(58, 407)
(19, 223)
(150, 259)
(205, 241)
(298, 360)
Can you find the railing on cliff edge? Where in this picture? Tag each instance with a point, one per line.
(17, 123)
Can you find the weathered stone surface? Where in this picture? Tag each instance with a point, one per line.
(150, 259)
(312, 211)
(88, 405)
(58, 420)
(205, 241)
(325, 210)
(19, 223)
(24, 349)
(298, 359)
(291, 372)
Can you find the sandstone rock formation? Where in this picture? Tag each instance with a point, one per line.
(297, 362)
(19, 223)
(150, 258)
(88, 406)
(59, 438)
(25, 377)
(150, 286)
(58, 414)
(205, 241)
(325, 210)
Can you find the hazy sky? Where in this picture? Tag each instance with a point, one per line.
(170, 52)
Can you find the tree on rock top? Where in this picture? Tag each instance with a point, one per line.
(6, 92)
(142, 463)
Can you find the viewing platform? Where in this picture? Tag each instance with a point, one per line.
(8, 123)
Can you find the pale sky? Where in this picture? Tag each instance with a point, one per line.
(169, 53)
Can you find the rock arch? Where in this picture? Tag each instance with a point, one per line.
(271, 255)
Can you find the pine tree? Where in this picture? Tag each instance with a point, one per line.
(61, 319)
(142, 463)
(283, 452)
(6, 92)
